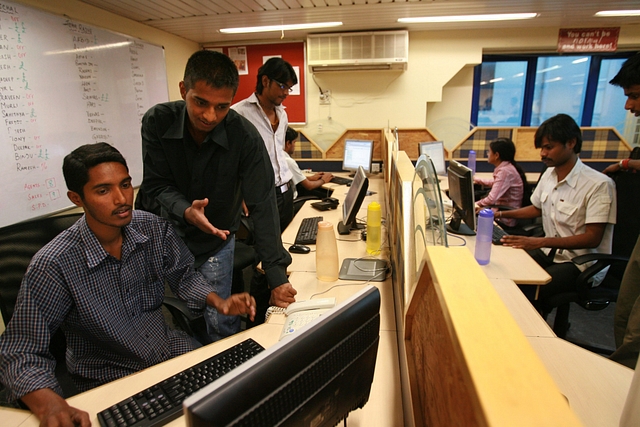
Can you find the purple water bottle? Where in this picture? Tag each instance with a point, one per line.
(483, 236)
(471, 163)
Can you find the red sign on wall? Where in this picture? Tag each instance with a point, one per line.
(588, 39)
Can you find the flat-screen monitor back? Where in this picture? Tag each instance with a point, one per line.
(461, 193)
(435, 151)
(357, 153)
(353, 202)
(427, 204)
(314, 377)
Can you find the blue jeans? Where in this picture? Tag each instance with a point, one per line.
(218, 270)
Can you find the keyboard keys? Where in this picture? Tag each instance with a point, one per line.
(308, 231)
(162, 402)
(340, 180)
(498, 233)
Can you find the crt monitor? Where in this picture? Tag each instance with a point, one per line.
(352, 202)
(461, 194)
(435, 151)
(313, 377)
(357, 153)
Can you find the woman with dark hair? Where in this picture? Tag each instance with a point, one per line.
(509, 185)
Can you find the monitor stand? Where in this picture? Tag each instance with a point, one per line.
(456, 226)
(346, 229)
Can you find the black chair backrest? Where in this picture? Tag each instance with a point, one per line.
(18, 244)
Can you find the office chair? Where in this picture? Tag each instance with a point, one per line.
(625, 235)
(18, 244)
(304, 195)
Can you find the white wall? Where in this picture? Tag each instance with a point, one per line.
(436, 89)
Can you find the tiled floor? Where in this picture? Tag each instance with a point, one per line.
(591, 327)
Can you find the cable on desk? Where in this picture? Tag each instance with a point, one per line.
(464, 242)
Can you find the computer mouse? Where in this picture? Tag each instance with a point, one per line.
(299, 249)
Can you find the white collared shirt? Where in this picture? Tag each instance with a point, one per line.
(585, 196)
(298, 176)
(274, 141)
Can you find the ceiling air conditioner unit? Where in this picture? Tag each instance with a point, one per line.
(375, 50)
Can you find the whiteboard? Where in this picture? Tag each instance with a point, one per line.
(64, 84)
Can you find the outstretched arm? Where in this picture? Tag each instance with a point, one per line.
(630, 164)
(194, 215)
(236, 304)
(591, 238)
(319, 181)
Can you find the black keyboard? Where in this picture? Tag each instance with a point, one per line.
(341, 181)
(498, 233)
(162, 402)
(308, 231)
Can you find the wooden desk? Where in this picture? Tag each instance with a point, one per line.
(349, 246)
(99, 398)
(308, 285)
(385, 402)
(595, 387)
(510, 263)
(525, 315)
(506, 262)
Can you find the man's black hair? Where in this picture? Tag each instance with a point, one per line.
(629, 74)
(276, 69)
(215, 68)
(76, 165)
(291, 134)
(560, 128)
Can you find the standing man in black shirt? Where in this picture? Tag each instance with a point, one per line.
(201, 159)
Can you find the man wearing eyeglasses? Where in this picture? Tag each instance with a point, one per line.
(264, 109)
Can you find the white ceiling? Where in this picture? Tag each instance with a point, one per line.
(200, 20)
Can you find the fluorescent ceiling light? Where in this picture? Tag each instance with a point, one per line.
(469, 18)
(289, 27)
(604, 13)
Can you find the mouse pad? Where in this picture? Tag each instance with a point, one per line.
(363, 269)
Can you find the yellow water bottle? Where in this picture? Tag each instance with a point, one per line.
(374, 228)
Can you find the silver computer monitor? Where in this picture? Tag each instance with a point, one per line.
(435, 151)
(353, 202)
(357, 153)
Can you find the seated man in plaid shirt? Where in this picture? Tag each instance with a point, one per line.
(102, 283)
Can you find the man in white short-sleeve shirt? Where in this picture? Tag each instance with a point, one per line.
(308, 182)
(577, 205)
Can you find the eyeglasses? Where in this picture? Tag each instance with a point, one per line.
(283, 86)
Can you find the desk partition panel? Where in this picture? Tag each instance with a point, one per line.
(469, 363)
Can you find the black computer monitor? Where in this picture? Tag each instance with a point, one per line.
(461, 193)
(435, 151)
(357, 153)
(352, 202)
(313, 377)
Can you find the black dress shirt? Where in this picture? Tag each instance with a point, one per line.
(231, 164)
